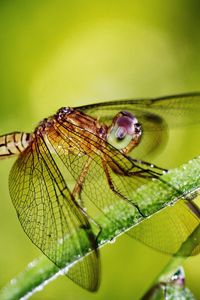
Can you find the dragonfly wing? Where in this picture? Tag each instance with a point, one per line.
(156, 116)
(154, 127)
(75, 147)
(167, 230)
(172, 109)
(49, 215)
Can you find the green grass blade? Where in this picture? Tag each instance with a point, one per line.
(185, 178)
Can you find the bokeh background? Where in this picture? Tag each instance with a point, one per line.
(69, 53)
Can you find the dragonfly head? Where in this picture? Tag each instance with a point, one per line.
(125, 132)
(63, 111)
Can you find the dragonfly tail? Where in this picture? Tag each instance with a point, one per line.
(12, 144)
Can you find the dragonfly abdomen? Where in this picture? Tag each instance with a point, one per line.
(14, 143)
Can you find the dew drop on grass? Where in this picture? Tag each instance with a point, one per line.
(13, 281)
(112, 241)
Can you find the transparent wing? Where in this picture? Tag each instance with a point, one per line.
(49, 215)
(164, 232)
(167, 230)
(157, 116)
(82, 165)
(172, 109)
(110, 179)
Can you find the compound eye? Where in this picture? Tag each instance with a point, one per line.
(63, 111)
(122, 131)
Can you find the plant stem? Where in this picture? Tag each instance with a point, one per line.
(155, 195)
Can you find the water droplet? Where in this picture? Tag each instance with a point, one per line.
(13, 281)
(60, 241)
(32, 264)
(112, 240)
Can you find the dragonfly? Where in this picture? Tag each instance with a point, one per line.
(80, 161)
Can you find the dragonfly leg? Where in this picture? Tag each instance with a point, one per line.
(151, 166)
(112, 187)
(80, 181)
(156, 172)
(76, 193)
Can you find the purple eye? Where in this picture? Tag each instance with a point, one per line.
(128, 114)
(125, 128)
(127, 123)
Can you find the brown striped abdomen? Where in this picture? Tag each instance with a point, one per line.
(13, 144)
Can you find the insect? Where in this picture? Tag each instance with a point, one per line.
(82, 160)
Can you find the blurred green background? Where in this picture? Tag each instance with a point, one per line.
(69, 53)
